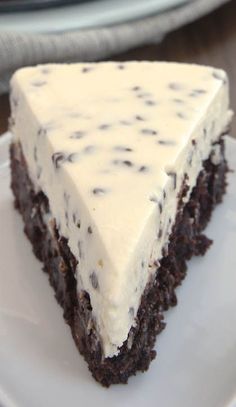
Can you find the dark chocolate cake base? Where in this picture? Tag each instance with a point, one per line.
(186, 240)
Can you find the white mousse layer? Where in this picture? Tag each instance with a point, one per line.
(109, 144)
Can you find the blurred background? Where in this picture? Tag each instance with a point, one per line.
(41, 31)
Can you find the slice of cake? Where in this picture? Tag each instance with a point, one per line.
(116, 168)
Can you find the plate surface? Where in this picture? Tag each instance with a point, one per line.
(88, 14)
(19, 5)
(196, 362)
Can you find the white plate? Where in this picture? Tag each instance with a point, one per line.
(78, 16)
(196, 362)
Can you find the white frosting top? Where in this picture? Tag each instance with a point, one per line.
(109, 144)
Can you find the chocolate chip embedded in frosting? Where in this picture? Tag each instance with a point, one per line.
(104, 126)
(123, 149)
(78, 134)
(94, 280)
(175, 86)
(90, 230)
(126, 163)
(45, 71)
(79, 224)
(58, 159)
(149, 132)
(139, 118)
(99, 191)
(181, 115)
(136, 88)
(160, 233)
(166, 142)
(143, 168)
(42, 131)
(121, 66)
(153, 198)
(89, 149)
(197, 92)
(160, 206)
(80, 247)
(150, 102)
(87, 69)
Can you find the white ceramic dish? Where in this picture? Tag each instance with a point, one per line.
(196, 362)
(85, 15)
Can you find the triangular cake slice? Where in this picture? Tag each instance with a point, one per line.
(116, 168)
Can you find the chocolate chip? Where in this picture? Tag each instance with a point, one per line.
(143, 168)
(67, 218)
(166, 142)
(78, 224)
(175, 86)
(126, 163)
(139, 118)
(160, 232)
(150, 102)
(89, 149)
(194, 143)
(99, 191)
(153, 198)
(86, 69)
(197, 92)
(104, 126)
(45, 71)
(73, 157)
(90, 231)
(174, 176)
(123, 149)
(42, 131)
(38, 83)
(160, 207)
(77, 134)
(58, 159)
(149, 132)
(120, 66)
(181, 115)
(66, 198)
(136, 88)
(94, 280)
